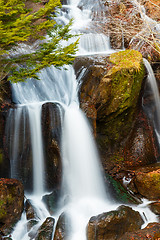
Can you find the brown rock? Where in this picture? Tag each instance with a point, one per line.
(29, 209)
(140, 149)
(46, 230)
(61, 232)
(147, 181)
(152, 232)
(113, 224)
(155, 207)
(11, 203)
(51, 129)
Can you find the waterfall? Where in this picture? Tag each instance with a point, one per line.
(154, 87)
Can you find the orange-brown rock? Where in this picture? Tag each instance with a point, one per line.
(147, 181)
(151, 232)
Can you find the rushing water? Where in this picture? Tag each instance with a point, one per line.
(83, 191)
(154, 87)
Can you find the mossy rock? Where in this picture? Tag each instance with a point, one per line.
(115, 117)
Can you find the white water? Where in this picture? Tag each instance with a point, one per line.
(83, 189)
(34, 112)
(154, 87)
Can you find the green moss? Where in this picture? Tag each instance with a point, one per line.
(128, 59)
(1, 158)
(3, 212)
(127, 75)
(117, 158)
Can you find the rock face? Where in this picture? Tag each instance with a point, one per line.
(5, 105)
(45, 231)
(152, 231)
(51, 128)
(11, 203)
(109, 95)
(114, 224)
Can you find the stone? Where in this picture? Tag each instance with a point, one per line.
(155, 207)
(29, 209)
(147, 181)
(46, 230)
(51, 130)
(152, 231)
(11, 203)
(62, 227)
(51, 201)
(113, 224)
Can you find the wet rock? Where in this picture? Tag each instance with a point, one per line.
(109, 95)
(62, 227)
(51, 201)
(29, 209)
(113, 224)
(51, 128)
(5, 105)
(140, 148)
(11, 203)
(155, 207)
(30, 224)
(46, 230)
(147, 181)
(152, 231)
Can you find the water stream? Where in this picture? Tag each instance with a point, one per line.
(155, 118)
(83, 191)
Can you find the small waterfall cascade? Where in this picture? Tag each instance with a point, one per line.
(83, 191)
(154, 88)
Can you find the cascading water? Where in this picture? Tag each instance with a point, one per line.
(154, 87)
(83, 191)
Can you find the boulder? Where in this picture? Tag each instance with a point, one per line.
(51, 130)
(110, 95)
(113, 224)
(29, 209)
(152, 231)
(46, 230)
(11, 203)
(62, 227)
(51, 201)
(147, 181)
(155, 207)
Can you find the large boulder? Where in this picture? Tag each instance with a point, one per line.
(11, 203)
(113, 224)
(110, 95)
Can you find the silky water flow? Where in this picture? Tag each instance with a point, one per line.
(83, 192)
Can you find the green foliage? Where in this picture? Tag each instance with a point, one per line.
(19, 24)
